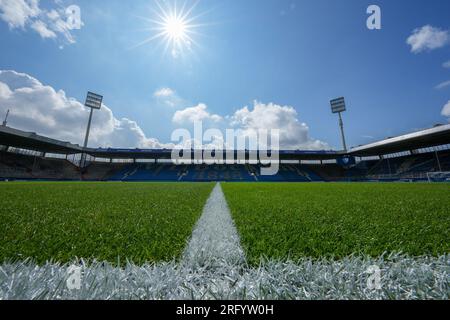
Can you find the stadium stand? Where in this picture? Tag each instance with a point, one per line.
(18, 166)
(413, 157)
(413, 167)
(217, 173)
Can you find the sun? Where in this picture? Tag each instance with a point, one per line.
(175, 29)
(175, 26)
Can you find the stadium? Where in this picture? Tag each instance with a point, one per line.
(389, 214)
(419, 156)
(157, 203)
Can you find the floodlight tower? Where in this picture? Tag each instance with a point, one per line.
(94, 102)
(6, 118)
(338, 106)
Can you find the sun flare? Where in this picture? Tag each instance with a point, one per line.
(175, 29)
(175, 26)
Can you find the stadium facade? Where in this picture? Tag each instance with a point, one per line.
(419, 156)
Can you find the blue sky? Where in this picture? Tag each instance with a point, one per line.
(290, 53)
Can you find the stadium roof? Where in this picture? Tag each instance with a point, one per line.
(31, 141)
(167, 154)
(439, 135)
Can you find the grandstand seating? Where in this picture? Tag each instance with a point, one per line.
(328, 172)
(291, 172)
(170, 172)
(412, 167)
(148, 172)
(217, 173)
(17, 166)
(101, 171)
(408, 167)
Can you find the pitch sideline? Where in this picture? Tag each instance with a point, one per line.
(215, 239)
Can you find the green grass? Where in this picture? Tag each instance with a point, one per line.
(142, 222)
(336, 220)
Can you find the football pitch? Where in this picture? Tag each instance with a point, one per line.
(151, 222)
(334, 221)
(114, 222)
(228, 241)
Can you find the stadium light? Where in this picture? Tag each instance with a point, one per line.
(338, 106)
(94, 102)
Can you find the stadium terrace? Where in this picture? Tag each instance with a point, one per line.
(418, 156)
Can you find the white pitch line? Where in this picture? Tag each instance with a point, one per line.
(403, 278)
(215, 240)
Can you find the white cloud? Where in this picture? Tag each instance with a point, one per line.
(163, 92)
(169, 97)
(446, 64)
(446, 110)
(294, 134)
(443, 85)
(16, 13)
(5, 91)
(53, 23)
(195, 114)
(40, 108)
(41, 28)
(428, 38)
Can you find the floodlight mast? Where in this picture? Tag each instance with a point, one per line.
(5, 122)
(341, 124)
(93, 101)
(338, 106)
(88, 130)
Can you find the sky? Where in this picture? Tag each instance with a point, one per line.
(242, 64)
